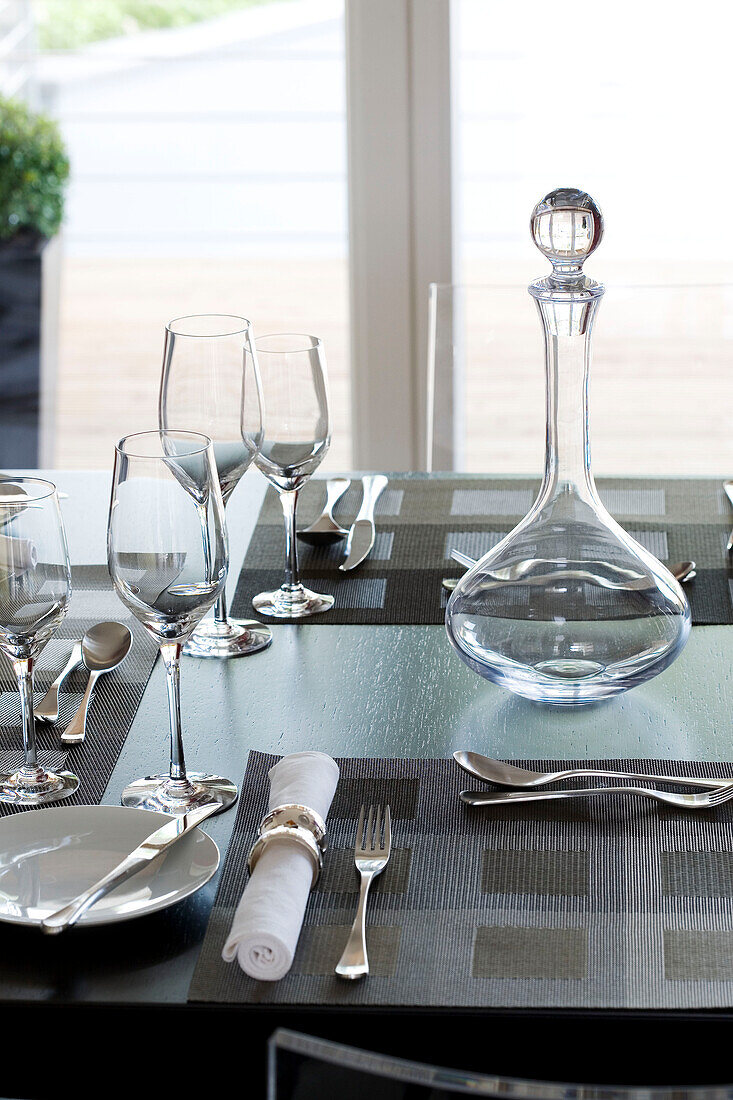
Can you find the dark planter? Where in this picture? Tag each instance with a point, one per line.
(27, 379)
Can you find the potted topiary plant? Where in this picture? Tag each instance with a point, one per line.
(34, 169)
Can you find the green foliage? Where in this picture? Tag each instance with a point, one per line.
(34, 169)
(72, 23)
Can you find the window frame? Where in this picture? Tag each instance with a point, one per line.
(401, 218)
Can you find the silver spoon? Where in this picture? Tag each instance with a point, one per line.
(681, 570)
(103, 648)
(48, 708)
(509, 775)
(325, 530)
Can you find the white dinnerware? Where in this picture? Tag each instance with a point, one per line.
(50, 856)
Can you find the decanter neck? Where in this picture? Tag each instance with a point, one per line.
(567, 321)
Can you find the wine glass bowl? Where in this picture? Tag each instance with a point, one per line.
(295, 440)
(168, 559)
(207, 380)
(35, 588)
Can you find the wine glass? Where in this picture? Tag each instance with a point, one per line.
(296, 438)
(35, 588)
(167, 556)
(205, 378)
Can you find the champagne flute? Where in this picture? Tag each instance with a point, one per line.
(35, 588)
(167, 556)
(296, 438)
(206, 377)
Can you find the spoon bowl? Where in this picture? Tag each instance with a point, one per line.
(683, 570)
(325, 531)
(325, 534)
(105, 646)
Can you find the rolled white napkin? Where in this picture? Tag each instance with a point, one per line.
(268, 919)
(16, 556)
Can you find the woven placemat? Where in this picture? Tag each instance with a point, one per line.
(611, 902)
(420, 519)
(114, 704)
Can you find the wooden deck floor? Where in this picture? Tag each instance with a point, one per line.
(661, 395)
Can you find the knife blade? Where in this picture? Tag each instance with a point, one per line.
(362, 532)
(149, 849)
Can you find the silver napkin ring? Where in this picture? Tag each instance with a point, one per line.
(296, 823)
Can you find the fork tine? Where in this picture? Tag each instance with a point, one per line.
(378, 829)
(360, 829)
(368, 843)
(387, 830)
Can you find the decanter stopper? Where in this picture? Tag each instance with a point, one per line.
(567, 225)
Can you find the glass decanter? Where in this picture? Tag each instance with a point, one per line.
(568, 608)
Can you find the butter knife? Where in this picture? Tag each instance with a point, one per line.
(362, 533)
(153, 846)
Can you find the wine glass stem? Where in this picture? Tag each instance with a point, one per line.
(24, 674)
(204, 520)
(171, 654)
(289, 501)
(220, 609)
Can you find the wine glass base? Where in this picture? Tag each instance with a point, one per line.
(48, 787)
(234, 638)
(160, 792)
(295, 603)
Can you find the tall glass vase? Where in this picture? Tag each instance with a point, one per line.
(568, 608)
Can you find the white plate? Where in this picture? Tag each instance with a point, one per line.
(49, 856)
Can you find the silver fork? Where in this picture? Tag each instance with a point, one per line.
(371, 855)
(707, 801)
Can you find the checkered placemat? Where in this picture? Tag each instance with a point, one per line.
(114, 703)
(421, 518)
(611, 902)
